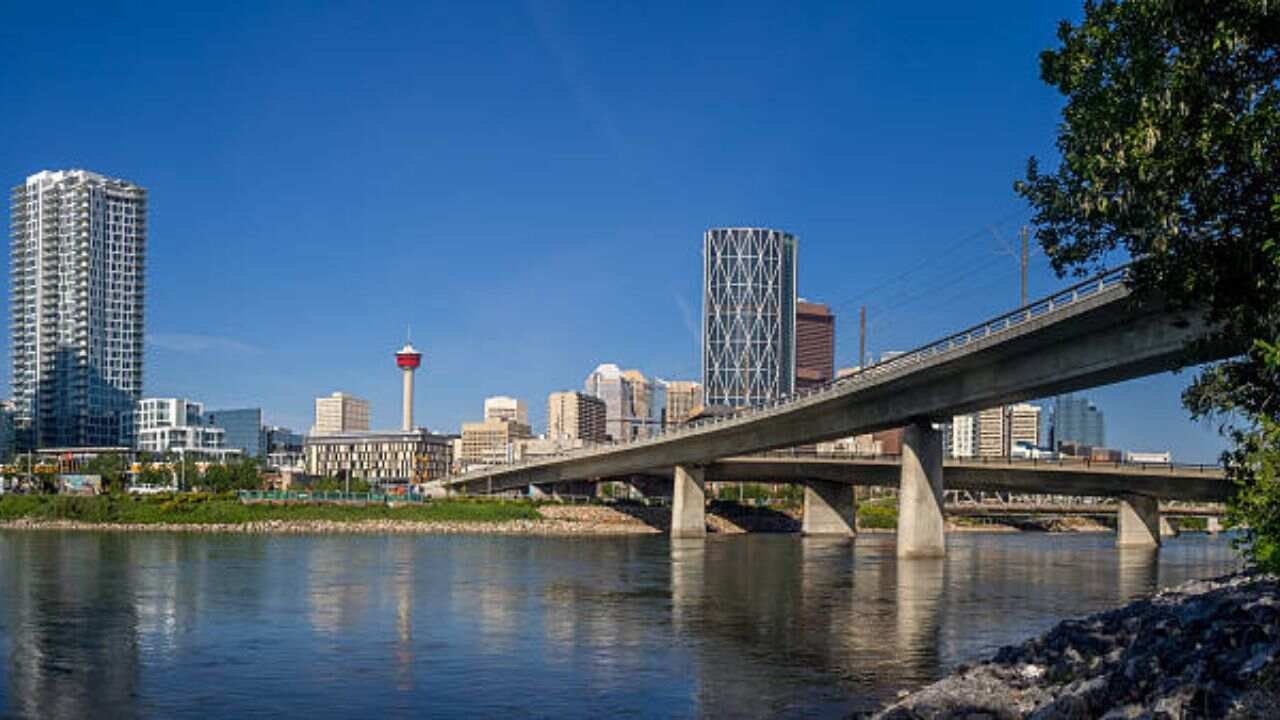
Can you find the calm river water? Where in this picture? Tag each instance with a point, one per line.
(178, 625)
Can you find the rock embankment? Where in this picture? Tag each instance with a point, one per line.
(1206, 649)
(555, 520)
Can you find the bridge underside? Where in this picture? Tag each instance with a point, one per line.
(829, 499)
(1047, 480)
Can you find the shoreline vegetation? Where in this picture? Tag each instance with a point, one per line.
(208, 512)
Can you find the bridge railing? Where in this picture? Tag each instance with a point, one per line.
(327, 497)
(1068, 461)
(1042, 307)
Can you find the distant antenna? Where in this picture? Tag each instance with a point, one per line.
(408, 334)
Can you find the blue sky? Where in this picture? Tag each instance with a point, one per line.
(527, 184)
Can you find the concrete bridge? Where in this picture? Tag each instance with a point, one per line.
(829, 482)
(1095, 333)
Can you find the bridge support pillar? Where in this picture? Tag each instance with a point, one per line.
(1138, 521)
(921, 528)
(829, 509)
(689, 503)
(1167, 528)
(1214, 525)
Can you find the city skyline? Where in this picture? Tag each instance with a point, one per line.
(254, 225)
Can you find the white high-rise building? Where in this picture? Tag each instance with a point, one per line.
(341, 413)
(1003, 428)
(964, 436)
(501, 407)
(608, 383)
(77, 263)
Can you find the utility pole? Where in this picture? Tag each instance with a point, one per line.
(862, 337)
(1024, 266)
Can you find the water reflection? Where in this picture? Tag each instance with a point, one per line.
(919, 585)
(157, 625)
(1137, 572)
(67, 658)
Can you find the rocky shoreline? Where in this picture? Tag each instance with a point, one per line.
(562, 520)
(556, 520)
(1205, 649)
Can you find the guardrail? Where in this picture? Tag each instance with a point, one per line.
(369, 498)
(1109, 280)
(1059, 461)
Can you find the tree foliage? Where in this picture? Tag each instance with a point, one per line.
(228, 477)
(332, 484)
(113, 468)
(1170, 152)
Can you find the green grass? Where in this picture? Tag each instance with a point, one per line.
(203, 509)
(1191, 524)
(879, 514)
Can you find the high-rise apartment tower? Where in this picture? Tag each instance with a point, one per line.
(77, 268)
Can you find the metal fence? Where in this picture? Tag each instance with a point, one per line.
(369, 498)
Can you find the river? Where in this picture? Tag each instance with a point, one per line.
(193, 625)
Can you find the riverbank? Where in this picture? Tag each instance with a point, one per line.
(1205, 649)
(225, 513)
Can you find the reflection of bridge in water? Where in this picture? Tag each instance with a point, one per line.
(1094, 333)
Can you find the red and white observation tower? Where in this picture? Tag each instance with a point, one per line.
(408, 360)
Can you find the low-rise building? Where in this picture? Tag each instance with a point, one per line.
(177, 425)
(535, 448)
(865, 445)
(243, 428)
(381, 457)
(284, 448)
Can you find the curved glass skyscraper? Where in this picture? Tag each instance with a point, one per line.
(748, 315)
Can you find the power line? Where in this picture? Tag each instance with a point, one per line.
(932, 260)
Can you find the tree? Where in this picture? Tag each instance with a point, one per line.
(112, 467)
(232, 476)
(1170, 152)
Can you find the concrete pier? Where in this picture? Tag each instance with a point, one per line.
(689, 503)
(1167, 529)
(829, 509)
(1138, 521)
(1214, 525)
(920, 521)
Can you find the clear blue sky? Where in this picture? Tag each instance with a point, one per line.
(526, 184)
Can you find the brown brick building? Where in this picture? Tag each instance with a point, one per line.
(815, 344)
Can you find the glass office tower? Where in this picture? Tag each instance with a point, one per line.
(748, 315)
(244, 430)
